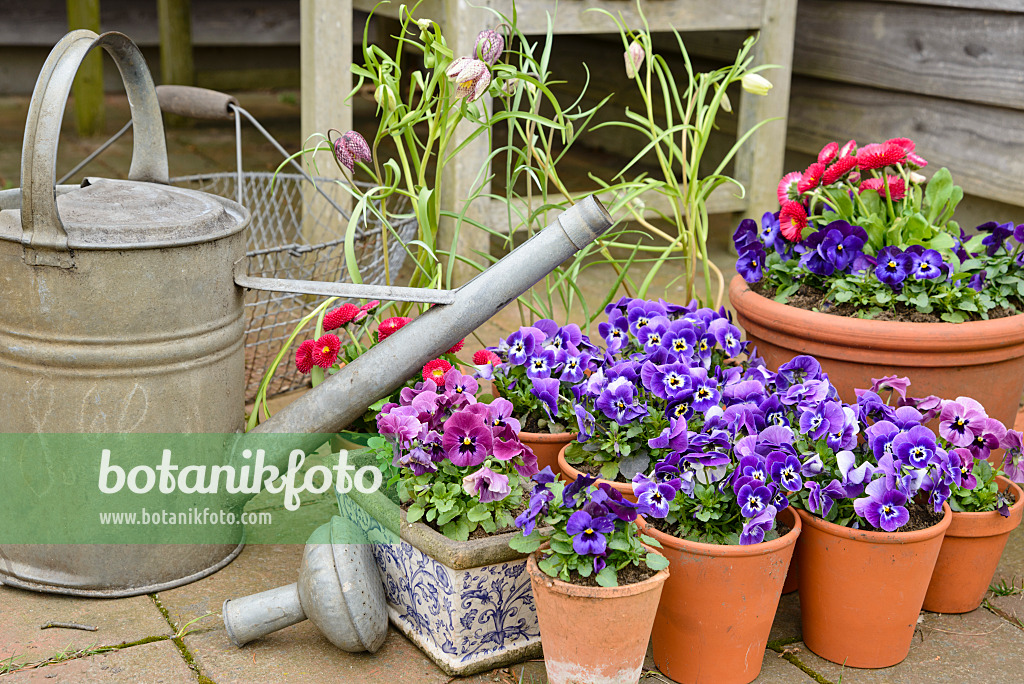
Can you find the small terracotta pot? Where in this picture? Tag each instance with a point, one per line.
(718, 606)
(546, 447)
(861, 591)
(594, 635)
(570, 474)
(973, 359)
(792, 578)
(970, 555)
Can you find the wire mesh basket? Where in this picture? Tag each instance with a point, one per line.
(285, 210)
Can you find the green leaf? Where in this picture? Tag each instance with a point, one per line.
(564, 548)
(656, 562)
(574, 452)
(550, 565)
(478, 513)
(527, 544)
(650, 541)
(608, 577)
(609, 471)
(618, 544)
(457, 529)
(414, 513)
(938, 192)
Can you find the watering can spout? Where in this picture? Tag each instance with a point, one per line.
(343, 397)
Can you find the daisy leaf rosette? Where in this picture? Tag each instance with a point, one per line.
(663, 364)
(457, 462)
(862, 226)
(590, 530)
(535, 368)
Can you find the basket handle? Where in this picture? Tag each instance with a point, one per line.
(46, 241)
(196, 103)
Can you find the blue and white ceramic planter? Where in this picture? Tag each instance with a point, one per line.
(467, 605)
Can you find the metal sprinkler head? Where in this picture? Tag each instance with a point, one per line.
(339, 589)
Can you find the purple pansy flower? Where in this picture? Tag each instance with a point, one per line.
(486, 485)
(588, 533)
(467, 439)
(757, 527)
(893, 266)
(822, 499)
(883, 508)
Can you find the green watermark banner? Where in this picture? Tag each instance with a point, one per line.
(187, 489)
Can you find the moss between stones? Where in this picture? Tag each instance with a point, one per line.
(180, 643)
(779, 646)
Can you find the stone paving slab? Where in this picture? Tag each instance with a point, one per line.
(975, 647)
(119, 621)
(155, 663)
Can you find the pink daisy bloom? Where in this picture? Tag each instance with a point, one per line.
(304, 356)
(435, 370)
(788, 187)
(792, 220)
(325, 350)
(340, 316)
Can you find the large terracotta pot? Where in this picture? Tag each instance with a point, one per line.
(594, 635)
(861, 591)
(970, 555)
(570, 474)
(980, 359)
(718, 606)
(546, 447)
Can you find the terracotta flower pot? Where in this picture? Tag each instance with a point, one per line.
(594, 635)
(974, 359)
(718, 606)
(970, 555)
(861, 591)
(792, 578)
(546, 447)
(570, 474)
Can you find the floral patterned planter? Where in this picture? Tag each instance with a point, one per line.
(467, 605)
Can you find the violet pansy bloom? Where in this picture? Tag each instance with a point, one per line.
(757, 527)
(753, 500)
(1013, 461)
(893, 266)
(883, 508)
(467, 439)
(486, 485)
(959, 419)
(822, 499)
(588, 533)
(546, 389)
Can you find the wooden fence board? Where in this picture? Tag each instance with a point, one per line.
(973, 141)
(950, 53)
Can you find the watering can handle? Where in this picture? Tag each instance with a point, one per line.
(42, 231)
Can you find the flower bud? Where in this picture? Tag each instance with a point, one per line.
(917, 178)
(382, 95)
(350, 148)
(756, 84)
(634, 57)
(424, 24)
(489, 46)
(725, 103)
(509, 86)
(470, 76)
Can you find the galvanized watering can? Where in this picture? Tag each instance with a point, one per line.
(122, 312)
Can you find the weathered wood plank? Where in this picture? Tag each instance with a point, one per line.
(996, 5)
(951, 53)
(90, 113)
(214, 22)
(175, 21)
(975, 142)
(577, 16)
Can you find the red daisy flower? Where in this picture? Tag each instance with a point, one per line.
(390, 326)
(325, 350)
(304, 356)
(877, 156)
(482, 357)
(905, 143)
(916, 161)
(837, 170)
(787, 187)
(811, 177)
(435, 370)
(457, 347)
(828, 152)
(340, 316)
(897, 187)
(792, 220)
(365, 309)
(849, 149)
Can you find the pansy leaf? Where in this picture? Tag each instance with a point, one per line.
(608, 577)
(618, 544)
(609, 471)
(656, 562)
(478, 513)
(527, 544)
(550, 565)
(630, 466)
(561, 547)
(414, 513)
(457, 529)
(650, 541)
